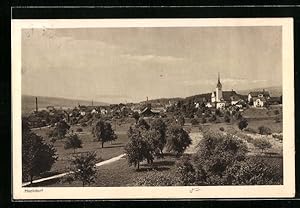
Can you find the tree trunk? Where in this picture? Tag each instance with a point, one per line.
(83, 184)
(102, 144)
(138, 165)
(31, 179)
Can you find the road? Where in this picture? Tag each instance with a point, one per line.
(111, 160)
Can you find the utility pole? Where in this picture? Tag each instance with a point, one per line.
(92, 103)
(36, 104)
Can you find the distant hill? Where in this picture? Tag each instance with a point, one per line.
(28, 102)
(163, 100)
(275, 91)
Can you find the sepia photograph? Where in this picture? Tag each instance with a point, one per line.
(153, 108)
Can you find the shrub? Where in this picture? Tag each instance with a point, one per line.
(262, 144)
(221, 128)
(253, 171)
(250, 130)
(264, 130)
(188, 175)
(84, 125)
(194, 121)
(243, 124)
(79, 130)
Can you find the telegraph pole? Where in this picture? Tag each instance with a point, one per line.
(36, 104)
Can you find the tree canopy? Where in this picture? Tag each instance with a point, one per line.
(37, 156)
(104, 132)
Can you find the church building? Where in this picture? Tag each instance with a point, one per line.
(217, 96)
(220, 99)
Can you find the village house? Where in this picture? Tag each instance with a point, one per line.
(258, 98)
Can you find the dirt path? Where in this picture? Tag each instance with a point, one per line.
(111, 160)
(196, 137)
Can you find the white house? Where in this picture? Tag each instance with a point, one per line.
(259, 102)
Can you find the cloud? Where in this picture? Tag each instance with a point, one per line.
(151, 58)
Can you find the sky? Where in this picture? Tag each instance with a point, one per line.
(129, 64)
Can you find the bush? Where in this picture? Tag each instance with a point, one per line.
(264, 130)
(250, 130)
(194, 121)
(221, 128)
(243, 124)
(253, 171)
(84, 125)
(79, 129)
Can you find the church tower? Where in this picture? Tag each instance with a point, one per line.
(219, 95)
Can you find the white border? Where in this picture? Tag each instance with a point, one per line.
(286, 190)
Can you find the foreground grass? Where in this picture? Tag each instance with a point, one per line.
(119, 174)
(89, 144)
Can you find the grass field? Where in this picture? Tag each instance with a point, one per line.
(89, 144)
(120, 174)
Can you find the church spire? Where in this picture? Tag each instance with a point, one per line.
(219, 85)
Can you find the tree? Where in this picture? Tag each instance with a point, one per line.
(136, 116)
(243, 124)
(73, 142)
(262, 144)
(138, 148)
(217, 151)
(159, 126)
(37, 156)
(104, 132)
(60, 129)
(84, 168)
(178, 139)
